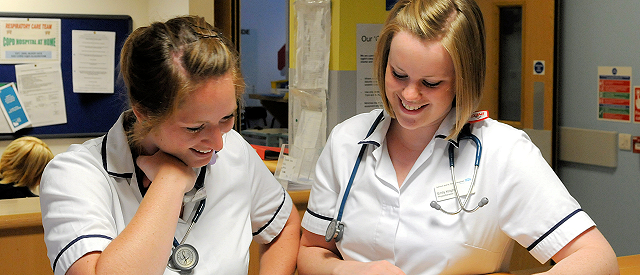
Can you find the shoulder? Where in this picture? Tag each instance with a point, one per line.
(74, 167)
(355, 128)
(236, 151)
(88, 152)
(504, 142)
(234, 143)
(493, 131)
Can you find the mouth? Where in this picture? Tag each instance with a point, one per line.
(202, 152)
(410, 107)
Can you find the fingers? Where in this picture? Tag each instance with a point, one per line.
(167, 165)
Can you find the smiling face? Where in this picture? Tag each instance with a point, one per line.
(194, 132)
(419, 82)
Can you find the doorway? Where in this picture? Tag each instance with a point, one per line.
(520, 83)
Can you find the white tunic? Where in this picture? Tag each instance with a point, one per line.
(527, 201)
(90, 193)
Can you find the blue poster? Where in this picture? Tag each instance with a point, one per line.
(12, 108)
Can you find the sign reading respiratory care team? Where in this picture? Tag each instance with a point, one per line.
(29, 40)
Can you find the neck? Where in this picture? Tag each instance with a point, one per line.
(147, 146)
(412, 139)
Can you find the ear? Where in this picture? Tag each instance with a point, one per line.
(140, 116)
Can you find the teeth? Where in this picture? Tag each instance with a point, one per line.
(410, 108)
(204, 152)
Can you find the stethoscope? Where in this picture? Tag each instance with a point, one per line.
(465, 133)
(184, 257)
(335, 230)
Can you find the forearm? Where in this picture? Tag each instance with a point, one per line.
(144, 245)
(588, 261)
(589, 253)
(279, 256)
(317, 260)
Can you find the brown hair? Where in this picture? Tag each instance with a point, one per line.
(23, 161)
(459, 26)
(164, 63)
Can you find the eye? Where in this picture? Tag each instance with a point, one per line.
(430, 84)
(398, 76)
(195, 129)
(227, 118)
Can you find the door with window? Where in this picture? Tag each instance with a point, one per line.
(519, 88)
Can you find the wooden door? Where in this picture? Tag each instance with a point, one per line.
(519, 88)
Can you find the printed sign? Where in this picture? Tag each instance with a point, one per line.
(27, 40)
(12, 108)
(614, 93)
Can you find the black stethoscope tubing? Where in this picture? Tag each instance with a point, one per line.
(198, 212)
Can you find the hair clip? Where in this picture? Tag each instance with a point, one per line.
(201, 35)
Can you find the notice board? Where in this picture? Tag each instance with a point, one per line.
(88, 114)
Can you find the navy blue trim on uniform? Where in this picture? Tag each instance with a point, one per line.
(318, 215)
(533, 245)
(55, 262)
(104, 161)
(369, 142)
(284, 198)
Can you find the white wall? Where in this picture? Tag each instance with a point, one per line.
(160, 10)
(141, 11)
(137, 9)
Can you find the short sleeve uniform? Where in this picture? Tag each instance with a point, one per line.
(90, 193)
(527, 201)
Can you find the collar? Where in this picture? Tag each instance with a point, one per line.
(447, 125)
(117, 159)
(377, 136)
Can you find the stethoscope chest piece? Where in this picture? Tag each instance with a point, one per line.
(184, 258)
(334, 231)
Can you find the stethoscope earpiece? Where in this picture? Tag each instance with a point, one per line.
(435, 205)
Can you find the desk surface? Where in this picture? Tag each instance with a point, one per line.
(18, 213)
(629, 265)
(19, 206)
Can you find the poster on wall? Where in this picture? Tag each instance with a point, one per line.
(26, 40)
(42, 92)
(368, 93)
(636, 105)
(93, 54)
(614, 93)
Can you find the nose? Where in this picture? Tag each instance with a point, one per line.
(214, 139)
(411, 92)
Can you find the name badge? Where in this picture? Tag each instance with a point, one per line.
(445, 191)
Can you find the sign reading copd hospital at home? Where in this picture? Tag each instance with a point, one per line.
(14, 112)
(29, 40)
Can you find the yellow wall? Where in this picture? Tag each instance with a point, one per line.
(345, 15)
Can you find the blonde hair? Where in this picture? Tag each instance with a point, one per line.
(459, 26)
(162, 64)
(23, 161)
